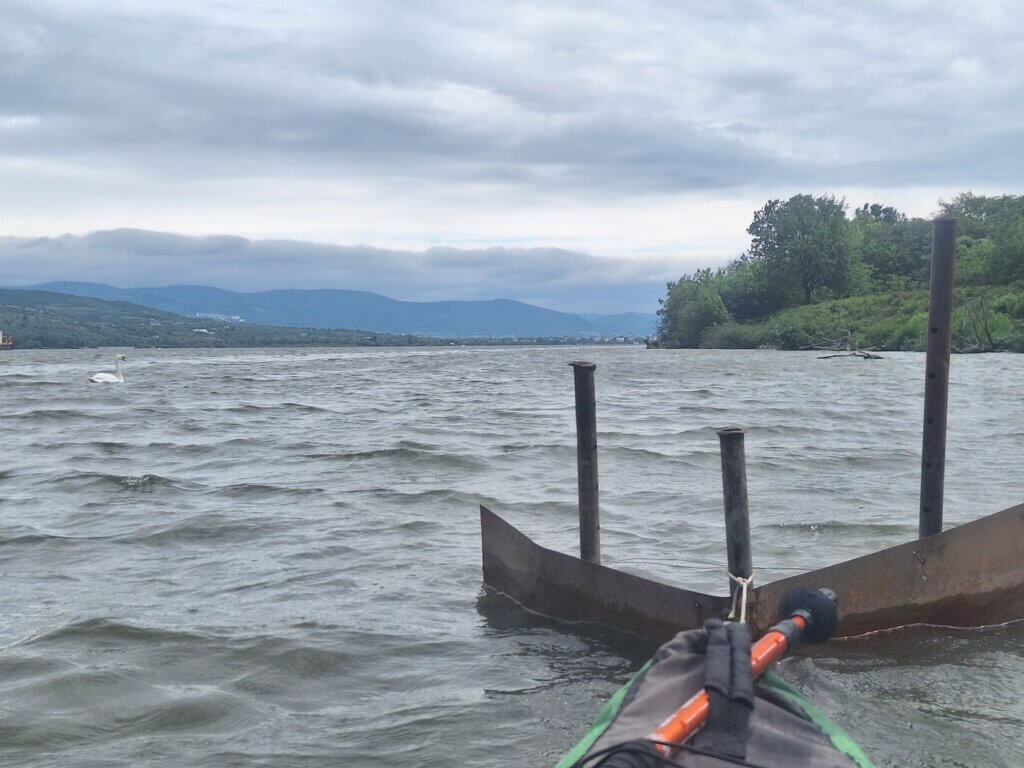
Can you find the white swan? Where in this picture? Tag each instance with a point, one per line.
(110, 378)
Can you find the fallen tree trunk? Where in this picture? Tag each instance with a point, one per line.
(866, 354)
(844, 347)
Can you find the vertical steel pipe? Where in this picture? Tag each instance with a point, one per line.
(586, 460)
(737, 515)
(936, 381)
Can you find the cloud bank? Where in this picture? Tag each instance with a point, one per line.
(640, 129)
(549, 277)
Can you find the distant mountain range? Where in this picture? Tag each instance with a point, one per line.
(364, 311)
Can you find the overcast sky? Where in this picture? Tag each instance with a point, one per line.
(548, 152)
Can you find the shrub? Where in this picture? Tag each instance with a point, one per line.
(1014, 339)
(1010, 304)
(788, 335)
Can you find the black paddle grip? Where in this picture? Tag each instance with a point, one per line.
(819, 606)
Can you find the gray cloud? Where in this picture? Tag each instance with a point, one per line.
(586, 125)
(597, 98)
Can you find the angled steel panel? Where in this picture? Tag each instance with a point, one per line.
(968, 576)
(972, 575)
(568, 588)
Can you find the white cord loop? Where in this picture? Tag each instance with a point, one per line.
(742, 585)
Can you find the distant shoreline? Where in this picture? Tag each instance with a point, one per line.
(39, 319)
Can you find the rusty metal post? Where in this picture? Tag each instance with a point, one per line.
(586, 460)
(737, 515)
(936, 382)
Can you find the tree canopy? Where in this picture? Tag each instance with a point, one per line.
(806, 244)
(692, 307)
(806, 250)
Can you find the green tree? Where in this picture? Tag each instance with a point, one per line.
(998, 219)
(1008, 260)
(747, 289)
(894, 248)
(883, 214)
(975, 260)
(806, 243)
(690, 309)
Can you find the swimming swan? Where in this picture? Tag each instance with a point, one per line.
(110, 378)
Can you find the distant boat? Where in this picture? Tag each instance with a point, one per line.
(6, 342)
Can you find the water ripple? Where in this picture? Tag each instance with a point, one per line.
(244, 558)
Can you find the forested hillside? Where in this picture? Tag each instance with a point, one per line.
(813, 272)
(47, 320)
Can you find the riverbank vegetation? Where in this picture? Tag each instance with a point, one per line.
(813, 272)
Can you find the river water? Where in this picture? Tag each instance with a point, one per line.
(272, 557)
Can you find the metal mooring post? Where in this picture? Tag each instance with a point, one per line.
(936, 382)
(586, 460)
(737, 515)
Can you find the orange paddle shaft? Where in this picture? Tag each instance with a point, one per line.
(682, 723)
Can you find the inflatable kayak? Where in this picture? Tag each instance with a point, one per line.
(707, 698)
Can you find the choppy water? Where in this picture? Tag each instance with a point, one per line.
(272, 557)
